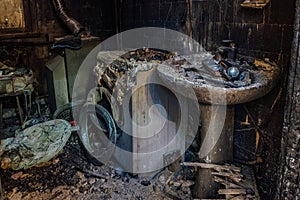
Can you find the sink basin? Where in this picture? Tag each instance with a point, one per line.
(217, 97)
(263, 79)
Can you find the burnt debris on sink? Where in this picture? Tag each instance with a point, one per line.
(224, 65)
(207, 74)
(212, 69)
(225, 69)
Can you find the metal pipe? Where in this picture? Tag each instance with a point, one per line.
(67, 75)
(70, 22)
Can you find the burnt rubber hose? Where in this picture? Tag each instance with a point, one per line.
(98, 142)
(70, 22)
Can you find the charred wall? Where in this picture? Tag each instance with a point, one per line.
(288, 187)
(96, 16)
(259, 32)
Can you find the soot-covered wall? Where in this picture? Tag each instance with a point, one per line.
(261, 33)
(96, 16)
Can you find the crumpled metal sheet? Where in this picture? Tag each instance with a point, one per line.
(34, 145)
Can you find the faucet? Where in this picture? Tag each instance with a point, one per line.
(228, 50)
(225, 58)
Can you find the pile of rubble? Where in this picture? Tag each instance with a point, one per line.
(70, 175)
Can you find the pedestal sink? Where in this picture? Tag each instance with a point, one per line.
(216, 102)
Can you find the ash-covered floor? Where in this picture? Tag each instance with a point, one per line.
(70, 175)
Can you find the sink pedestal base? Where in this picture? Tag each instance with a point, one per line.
(217, 125)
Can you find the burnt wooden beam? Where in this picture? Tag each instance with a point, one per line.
(23, 39)
(212, 166)
(232, 191)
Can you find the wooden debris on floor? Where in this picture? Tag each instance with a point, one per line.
(71, 176)
(238, 182)
(176, 185)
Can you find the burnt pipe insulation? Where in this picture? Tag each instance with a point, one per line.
(70, 22)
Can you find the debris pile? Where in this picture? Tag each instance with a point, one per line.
(116, 70)
(238, 182)
(177, 185)
(70, 175)
(206, 68)
(16, 79)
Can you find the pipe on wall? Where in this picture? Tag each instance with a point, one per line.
(72, 24)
